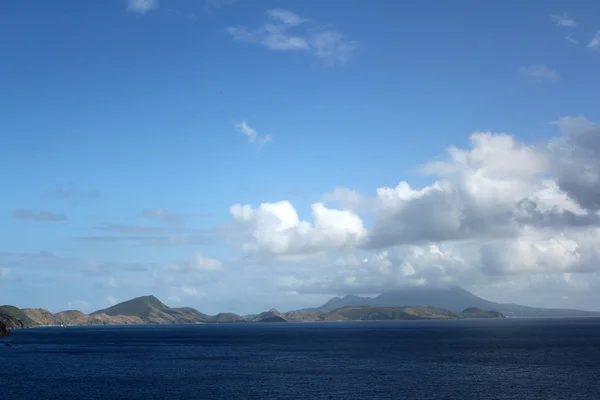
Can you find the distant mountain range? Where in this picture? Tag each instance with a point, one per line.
(453, 298)
(410, 303)
(141, 310)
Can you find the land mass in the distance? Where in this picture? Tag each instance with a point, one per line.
(150, 310)
(405, 304)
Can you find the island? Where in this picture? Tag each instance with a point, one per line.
(150, 310)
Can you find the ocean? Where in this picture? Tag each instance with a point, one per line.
(465, 359)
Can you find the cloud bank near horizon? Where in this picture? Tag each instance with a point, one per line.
(500, 217)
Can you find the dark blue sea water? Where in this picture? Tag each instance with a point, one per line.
(474, 359)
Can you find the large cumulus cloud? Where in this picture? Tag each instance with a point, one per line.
(499, 211)
(577, 161)
(276, 229)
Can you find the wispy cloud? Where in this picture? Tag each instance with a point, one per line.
(178, 240)
(571, 40)
(210, 5)
(563, 20)
(132, 229)
(141, 6)
(188, 16)
(149, 241)
(44, 216)
(114, 238)
(285, 16)
(595, 42)
(275, 34)
(72, 192)
(192, 291)
(333, 46)
(150, 236)
(539, 72)
(252, 135)
(177, 219)
(171, 230)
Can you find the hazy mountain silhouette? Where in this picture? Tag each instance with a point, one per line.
(451, 298)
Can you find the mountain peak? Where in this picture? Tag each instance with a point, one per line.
(270, 316)
(137, 307)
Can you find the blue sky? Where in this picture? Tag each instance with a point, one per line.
(129, 129)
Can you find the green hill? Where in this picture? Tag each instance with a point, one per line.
(16, 316)
(226, 317)
(474, 312)
(193, 311)
(141, 307)
(9, 322)
(371, 313)
(152, 311)
(270, 316)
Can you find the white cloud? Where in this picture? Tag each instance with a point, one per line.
(199, 262)
(327, 44)
(576, 161)
(571, 40)
(5, 272)
(536, 256)
(563, 20)
(275, 229)
(45, 216)
(333, 47)
(274, 34)
(475, 196)
(252, 135)
(499, 211)
(192, 291)
(142, 6)
(348, 198)
(174, 219)
(285, 16)
(539, 72)
(273, 37)
(510, 220)
(595, 42)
